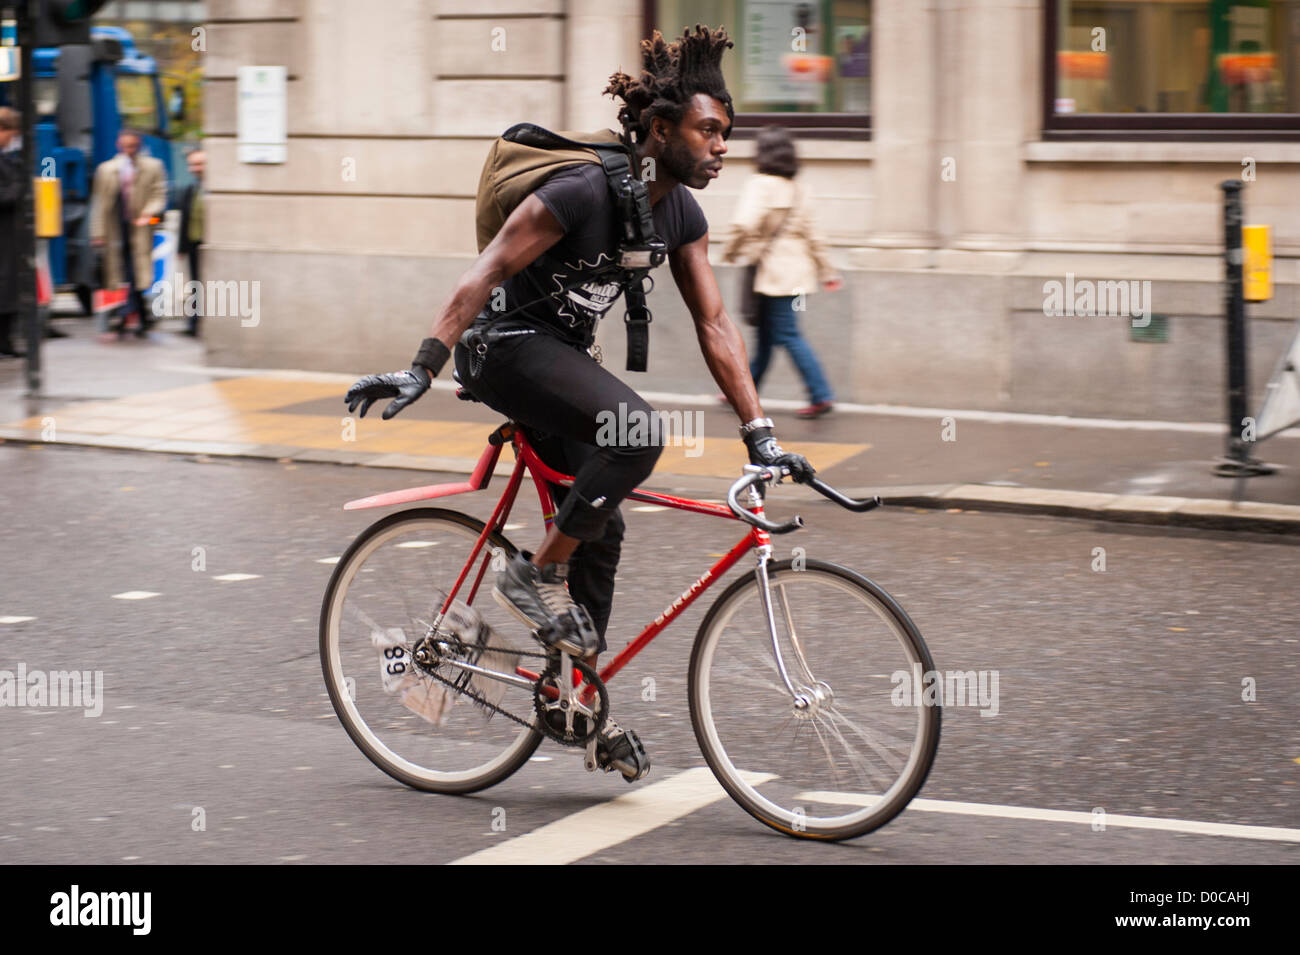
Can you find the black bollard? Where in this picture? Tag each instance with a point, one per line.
(1237, 462)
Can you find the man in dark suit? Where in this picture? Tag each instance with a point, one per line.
(12, 190)
(191, 238)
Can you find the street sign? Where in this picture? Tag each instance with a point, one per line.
(261, 116)
(11, 63)
(1257, 266)
(49, 207)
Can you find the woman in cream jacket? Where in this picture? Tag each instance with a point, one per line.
(773, 228)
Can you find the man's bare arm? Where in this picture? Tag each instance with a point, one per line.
(528, 232)
(720, 340)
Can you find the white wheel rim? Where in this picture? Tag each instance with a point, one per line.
(338, 687)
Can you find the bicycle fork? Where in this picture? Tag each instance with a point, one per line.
(813, 694)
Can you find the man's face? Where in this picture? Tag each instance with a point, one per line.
(695, 147)
(126, 143)
(197, 161)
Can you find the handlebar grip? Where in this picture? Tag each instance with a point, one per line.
(843, 500)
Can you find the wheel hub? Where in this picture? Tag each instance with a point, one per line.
(810, 700)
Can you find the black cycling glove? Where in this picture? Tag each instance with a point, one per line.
(404, 386)
(764, 450)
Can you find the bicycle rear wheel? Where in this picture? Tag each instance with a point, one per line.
(852, 759)
(382, 598)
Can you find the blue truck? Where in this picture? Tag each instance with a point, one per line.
(84, 95)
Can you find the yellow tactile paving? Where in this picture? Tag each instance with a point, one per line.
(112, 409)
(241, 411)
(86, 425)
(723, 457)
(204, 415)
(153, 428)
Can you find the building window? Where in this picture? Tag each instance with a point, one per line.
(804, 64)
(1162, 67)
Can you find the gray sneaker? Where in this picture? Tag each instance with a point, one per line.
(540, 598)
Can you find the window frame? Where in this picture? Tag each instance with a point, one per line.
(1147, 126)
(808, 125)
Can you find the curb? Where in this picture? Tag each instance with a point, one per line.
(1199, 513)
(1202, 513)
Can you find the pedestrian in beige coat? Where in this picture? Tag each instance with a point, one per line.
(129, 190)
(773, 229)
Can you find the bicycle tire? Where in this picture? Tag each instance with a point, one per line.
(446, 525)
(746, 742)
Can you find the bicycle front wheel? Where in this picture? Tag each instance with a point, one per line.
(847, 756)
(385, 593)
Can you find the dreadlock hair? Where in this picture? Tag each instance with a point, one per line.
(671, 74)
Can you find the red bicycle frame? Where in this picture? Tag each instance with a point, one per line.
(543, 477)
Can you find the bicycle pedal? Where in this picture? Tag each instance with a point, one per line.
(632, 764)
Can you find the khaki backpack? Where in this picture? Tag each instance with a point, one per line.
(515, 169)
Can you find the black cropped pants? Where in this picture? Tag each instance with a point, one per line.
(570, 408)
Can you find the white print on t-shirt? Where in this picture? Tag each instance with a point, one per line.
(590, 300)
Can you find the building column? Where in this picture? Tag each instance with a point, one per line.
(992, 56)
(903, 110)
(601, 37)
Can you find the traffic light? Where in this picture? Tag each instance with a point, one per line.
(64, 22)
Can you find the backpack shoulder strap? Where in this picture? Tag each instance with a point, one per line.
(527, 154)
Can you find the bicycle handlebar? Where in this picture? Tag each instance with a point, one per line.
(749, 517)
(821, 487)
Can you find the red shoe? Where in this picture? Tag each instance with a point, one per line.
(815, 411)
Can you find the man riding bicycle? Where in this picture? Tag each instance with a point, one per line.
(676, 118)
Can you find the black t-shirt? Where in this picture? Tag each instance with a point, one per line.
(579, 198)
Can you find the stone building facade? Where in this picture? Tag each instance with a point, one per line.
(949, 221)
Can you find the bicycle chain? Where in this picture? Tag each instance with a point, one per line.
(466, 691)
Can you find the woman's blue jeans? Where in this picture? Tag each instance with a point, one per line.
(779, 325)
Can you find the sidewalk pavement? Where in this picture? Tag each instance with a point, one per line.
(156, 395)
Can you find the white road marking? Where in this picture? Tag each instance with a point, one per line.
(135, 595)
(237, 577)
(328, 560)
(593, 830)
(996, 417)
(1231, 830)
(15, 619)
(649, 507)
(412, 545)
